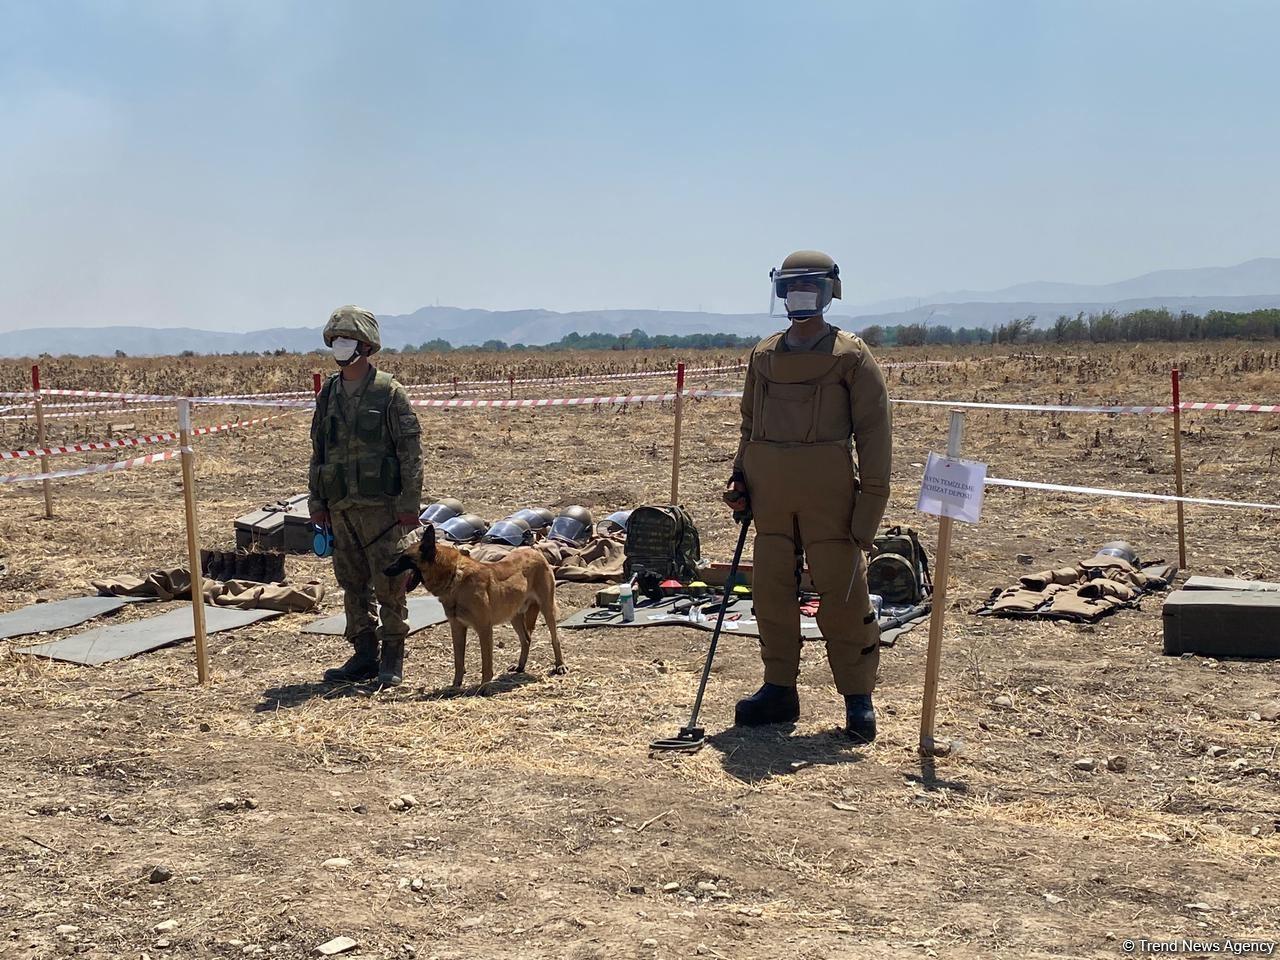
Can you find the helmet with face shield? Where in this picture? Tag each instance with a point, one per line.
(467, 528)
(444, 509)
(512, 531)
(805, 284)
(574, 525)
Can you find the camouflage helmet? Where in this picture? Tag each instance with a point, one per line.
(354, 322)
(805, 265)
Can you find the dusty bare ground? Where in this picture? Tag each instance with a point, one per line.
(542, 828)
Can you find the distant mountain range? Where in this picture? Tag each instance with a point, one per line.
(1247, 286)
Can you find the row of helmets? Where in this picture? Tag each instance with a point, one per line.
(574, 525)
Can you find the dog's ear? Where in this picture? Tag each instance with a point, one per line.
(427, 545)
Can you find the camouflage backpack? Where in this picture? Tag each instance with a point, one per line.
(899, 567)
(662, 541)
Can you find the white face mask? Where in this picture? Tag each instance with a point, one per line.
(344, 348)
(801, 301)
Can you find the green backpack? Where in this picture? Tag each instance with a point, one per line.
(899, 568)
(662, 541)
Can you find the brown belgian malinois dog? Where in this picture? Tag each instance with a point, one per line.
(479, 595)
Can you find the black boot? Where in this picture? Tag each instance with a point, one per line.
(770, 704)
(859, 717)
(362, 664)
(391, 673)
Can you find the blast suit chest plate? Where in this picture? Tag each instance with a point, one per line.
(801, 397)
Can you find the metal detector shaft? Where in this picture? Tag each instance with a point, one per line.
(715, 634)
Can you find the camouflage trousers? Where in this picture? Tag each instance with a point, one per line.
(364, 543)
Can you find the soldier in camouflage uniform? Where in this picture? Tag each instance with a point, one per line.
(365, 485)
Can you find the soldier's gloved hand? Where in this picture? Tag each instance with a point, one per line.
(735, 493)
(407, 519)
(321, 518)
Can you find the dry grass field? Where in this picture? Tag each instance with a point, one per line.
(540, 827)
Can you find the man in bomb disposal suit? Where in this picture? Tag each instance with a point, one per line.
(365, 486)
(809, 391)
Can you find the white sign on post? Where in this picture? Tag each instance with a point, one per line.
(952, 488)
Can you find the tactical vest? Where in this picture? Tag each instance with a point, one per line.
(801, 396)
(357, 458)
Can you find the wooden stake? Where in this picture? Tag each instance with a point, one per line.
(193, 539)
(511, 385)
(1177, 466)
(938, 616)
(317, 382)
(44, 461)
(675, 446)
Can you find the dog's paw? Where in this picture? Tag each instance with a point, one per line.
(559, 671)
(515, 668)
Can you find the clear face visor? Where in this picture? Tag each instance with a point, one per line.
(614, 523)
(458, 530)
(438, 513)
(800, 294)
(570, 530)
(512, 534)
(533, 518)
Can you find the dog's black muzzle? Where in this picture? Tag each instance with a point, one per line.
(405, 565)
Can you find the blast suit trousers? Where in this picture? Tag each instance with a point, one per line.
(364, 544)
(802, 496)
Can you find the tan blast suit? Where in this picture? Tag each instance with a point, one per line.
(800, 410)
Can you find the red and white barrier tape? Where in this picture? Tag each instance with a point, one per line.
(89, 447)
(1234, 407)
(96, 468)
(73, 414)
(203, 431)
(549, 402)
(1126, 494)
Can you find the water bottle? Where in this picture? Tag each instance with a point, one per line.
(628, 603)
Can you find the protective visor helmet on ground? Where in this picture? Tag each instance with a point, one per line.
(574, 525)
(442, 510)
(353, 323)
(538, 518)
(615, 522)
(467, 528)
(1119, 548)
(512, 531)
(804, 285)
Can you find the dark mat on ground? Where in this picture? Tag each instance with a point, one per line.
(121, 640)
(423, 612)
(58, 615)
(672, 612)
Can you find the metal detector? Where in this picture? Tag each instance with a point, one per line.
(691, 736)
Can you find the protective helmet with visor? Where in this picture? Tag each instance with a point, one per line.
(538, 518)
(615, 522)
(804, 285)
(467, 528)
(442, 510)
(512, 531)
(574, 525)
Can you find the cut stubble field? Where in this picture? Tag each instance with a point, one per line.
(539, 825)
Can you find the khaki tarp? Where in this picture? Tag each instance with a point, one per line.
(175, 584)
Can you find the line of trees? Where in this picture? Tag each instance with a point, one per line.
(1107, 327)
(635, 340)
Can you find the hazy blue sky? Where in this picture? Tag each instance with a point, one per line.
(241, 164)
